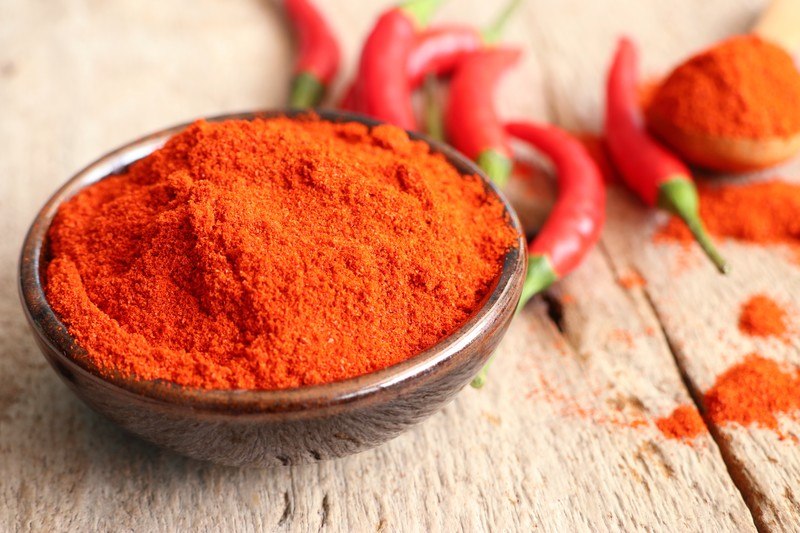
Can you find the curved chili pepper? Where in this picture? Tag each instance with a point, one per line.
(382, 85)
(318, 57)
(656, 175)
(574, 225)
(471, 120)
(438, 50)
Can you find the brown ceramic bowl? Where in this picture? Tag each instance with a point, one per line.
(269, 427)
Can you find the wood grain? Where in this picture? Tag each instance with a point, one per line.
(561, 439)
(699, 313)
(698, 309)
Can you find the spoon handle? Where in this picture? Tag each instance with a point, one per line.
(780, 23)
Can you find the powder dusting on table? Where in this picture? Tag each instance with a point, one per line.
(631, 279)
(684, 423)
(623, 412)
(763, 213)
(275, 253)
(754, 392)
(761, 316)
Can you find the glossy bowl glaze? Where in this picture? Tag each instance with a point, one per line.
(269, 427)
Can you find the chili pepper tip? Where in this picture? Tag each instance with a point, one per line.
(679, 196)
(480, 380)
(421, 10)
(307, 91)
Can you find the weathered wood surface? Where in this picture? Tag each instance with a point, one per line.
(697, 308)
(561, 439)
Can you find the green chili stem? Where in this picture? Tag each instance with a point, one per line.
(679, 197)
(539, 276)
(496, 165)
(306, 91)
(421, 10)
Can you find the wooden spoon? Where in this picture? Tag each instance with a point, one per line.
(780, 24)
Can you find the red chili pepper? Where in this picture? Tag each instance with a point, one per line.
(471, 120)
(438, 50)
(318, 56)
(656, 175)
(383, 89)
(576, 220)
(573, 226)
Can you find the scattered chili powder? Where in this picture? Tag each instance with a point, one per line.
(631, 280)
(761, 316)
(684, 423)
(624, 336)
(765, 212)
(753, 392)
(272, 254)
(743, 87)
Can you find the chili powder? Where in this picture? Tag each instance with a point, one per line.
(273, 253)
(683, 423)
(762, 212)
(761, 316)
(754, 392)
(745, 87)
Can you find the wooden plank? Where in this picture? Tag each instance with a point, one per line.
(696, 307)
(699, 311)
(562, 437)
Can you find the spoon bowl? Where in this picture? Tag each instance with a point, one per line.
(727, 154)
(270, 427)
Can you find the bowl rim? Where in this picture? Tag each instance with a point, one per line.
(54, 334)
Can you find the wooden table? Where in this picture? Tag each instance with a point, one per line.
(546, 445)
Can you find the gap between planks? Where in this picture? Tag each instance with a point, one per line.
(734, 467)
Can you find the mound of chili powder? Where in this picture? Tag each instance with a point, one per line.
(272, 254)
(743, 87)
(761, 316)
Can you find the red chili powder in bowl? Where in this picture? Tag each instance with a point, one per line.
(761, 316)
(274, 253)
